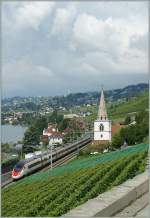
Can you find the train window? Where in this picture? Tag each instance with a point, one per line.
(34, 164)
(19, 166)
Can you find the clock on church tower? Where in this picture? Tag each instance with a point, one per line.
(102, 126)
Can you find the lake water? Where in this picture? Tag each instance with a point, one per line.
(11, 133)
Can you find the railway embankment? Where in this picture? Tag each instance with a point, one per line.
(112, 202)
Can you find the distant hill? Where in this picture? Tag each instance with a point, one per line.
(127, 92)
(42, 103)
(110, 95)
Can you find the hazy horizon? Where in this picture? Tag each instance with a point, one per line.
(59, 95)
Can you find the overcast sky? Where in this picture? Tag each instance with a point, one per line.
(51, 48)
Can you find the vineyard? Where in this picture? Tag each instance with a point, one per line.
(59, 193)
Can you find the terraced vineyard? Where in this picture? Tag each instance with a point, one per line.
(59, 192)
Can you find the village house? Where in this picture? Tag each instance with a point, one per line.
(52, 135)
(70, 116)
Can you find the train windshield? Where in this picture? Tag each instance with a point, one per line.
(19, 166)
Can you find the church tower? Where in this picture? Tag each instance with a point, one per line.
(102, 126)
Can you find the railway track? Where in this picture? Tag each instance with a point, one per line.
(6, 179)
(62, 160)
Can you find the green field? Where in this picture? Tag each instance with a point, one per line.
(54, 193)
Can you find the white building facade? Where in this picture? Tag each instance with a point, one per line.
(53, 135)
(55, 139)
(102, 126)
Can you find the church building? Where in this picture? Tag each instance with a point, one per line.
(102, 126)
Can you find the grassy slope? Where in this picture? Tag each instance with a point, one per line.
(118, 110)
(133, 105)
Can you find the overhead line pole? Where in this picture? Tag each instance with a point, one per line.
(51, 158)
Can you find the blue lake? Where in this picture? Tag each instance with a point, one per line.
(11, 133)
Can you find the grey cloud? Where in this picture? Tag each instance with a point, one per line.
(49, 58)
(139, 42)
(36, 80)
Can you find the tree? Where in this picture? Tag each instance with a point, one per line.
(127, 120)
(33, 133)
(67, 137)
(31, 136)
(136, 133)
(63, 124)
(129, 134)
(45, 143)
(117, 140)
(6, 147)
(40, 123)
(55, 117)
(142, 118)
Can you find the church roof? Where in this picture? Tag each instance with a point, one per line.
(102, 112)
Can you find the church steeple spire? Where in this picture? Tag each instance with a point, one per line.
(102, 113)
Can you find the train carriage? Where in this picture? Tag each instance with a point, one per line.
(26, 167)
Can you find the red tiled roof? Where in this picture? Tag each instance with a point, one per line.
(57, 134)
(116, 128)
(49, 130)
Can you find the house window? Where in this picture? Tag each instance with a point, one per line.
(101, 127)
(101, 136)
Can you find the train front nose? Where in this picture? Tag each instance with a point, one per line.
(16, 174)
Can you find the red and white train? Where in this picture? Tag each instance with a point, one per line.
(28, 166)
